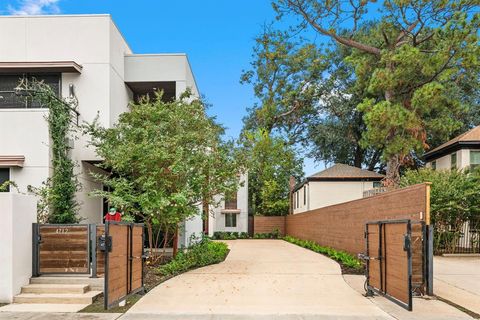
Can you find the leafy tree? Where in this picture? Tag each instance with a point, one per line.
(283, 75)
(428, 47)
(455, 199)
(165, 158)
(271, 162)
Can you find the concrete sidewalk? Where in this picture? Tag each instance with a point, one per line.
(260, 279)
(57, 316)
(457, 279)
(426, 308)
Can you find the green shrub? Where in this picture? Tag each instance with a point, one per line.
(198, 255)
(343, 257)
(271, 235)
(243, 235)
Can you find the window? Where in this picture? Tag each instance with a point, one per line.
(8, 83)
(474, 159)
(377, 184)
(304, 195)
(4, 176)
(231, 201)
(434, 165)
(298, 199)
(230, 220)
(453, 161)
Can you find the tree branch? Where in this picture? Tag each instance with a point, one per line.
(345, 41)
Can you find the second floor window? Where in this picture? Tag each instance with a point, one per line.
(8, 83)
(231, 201)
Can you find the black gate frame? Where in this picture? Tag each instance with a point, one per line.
(381, 259)
(109, 243)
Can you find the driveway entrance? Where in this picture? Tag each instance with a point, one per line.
(266, 279)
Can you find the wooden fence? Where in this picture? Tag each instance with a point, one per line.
(268, 224)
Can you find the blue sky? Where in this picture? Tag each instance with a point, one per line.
(217, 35)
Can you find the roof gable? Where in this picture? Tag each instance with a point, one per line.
(471, 136)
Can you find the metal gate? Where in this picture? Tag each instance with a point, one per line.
(61, 249)
(396, 259)
(123, 245)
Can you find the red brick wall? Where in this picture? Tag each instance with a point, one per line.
(267, 224)
(342, 226)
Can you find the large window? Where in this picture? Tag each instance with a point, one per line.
(474, 159)
(230, 220)
(8, 83)
(453, 161)
(434, 165)
(4, 176)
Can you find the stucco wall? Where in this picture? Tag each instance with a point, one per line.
(444, 163)
(325, 193)
(17, 213)
(242, 205)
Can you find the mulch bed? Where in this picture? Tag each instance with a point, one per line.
(151, 280)
(349, 270)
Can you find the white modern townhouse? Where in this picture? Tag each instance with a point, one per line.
(86, 57)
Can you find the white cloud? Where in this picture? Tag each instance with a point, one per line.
(33, 7)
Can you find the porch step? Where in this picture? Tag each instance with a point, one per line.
(55, 288)
(63, 298)
(94, 283)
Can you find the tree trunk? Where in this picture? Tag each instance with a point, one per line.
(392, 178)
(150, 240)
(175, 241)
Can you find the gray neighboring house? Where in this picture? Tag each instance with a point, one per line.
(460, 153)
(337, 184)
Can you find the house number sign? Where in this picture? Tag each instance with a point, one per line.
(61, 230)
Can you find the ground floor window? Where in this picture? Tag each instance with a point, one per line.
(230, 220)
(474, 159)
(4, 177)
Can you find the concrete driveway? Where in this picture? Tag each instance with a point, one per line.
(457, 279)
(260, 279)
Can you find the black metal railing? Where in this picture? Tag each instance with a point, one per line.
(465, 239)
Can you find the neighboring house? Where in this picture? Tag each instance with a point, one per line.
(229, 214)
(459, 153)
(85, 56)
(337, 184)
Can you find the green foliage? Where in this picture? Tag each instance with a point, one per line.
(416, 60)
(343, 257)
(275, 234)
(271, 162)
(198, 255)
(167, 157)
(454, 199)
(63, 184)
